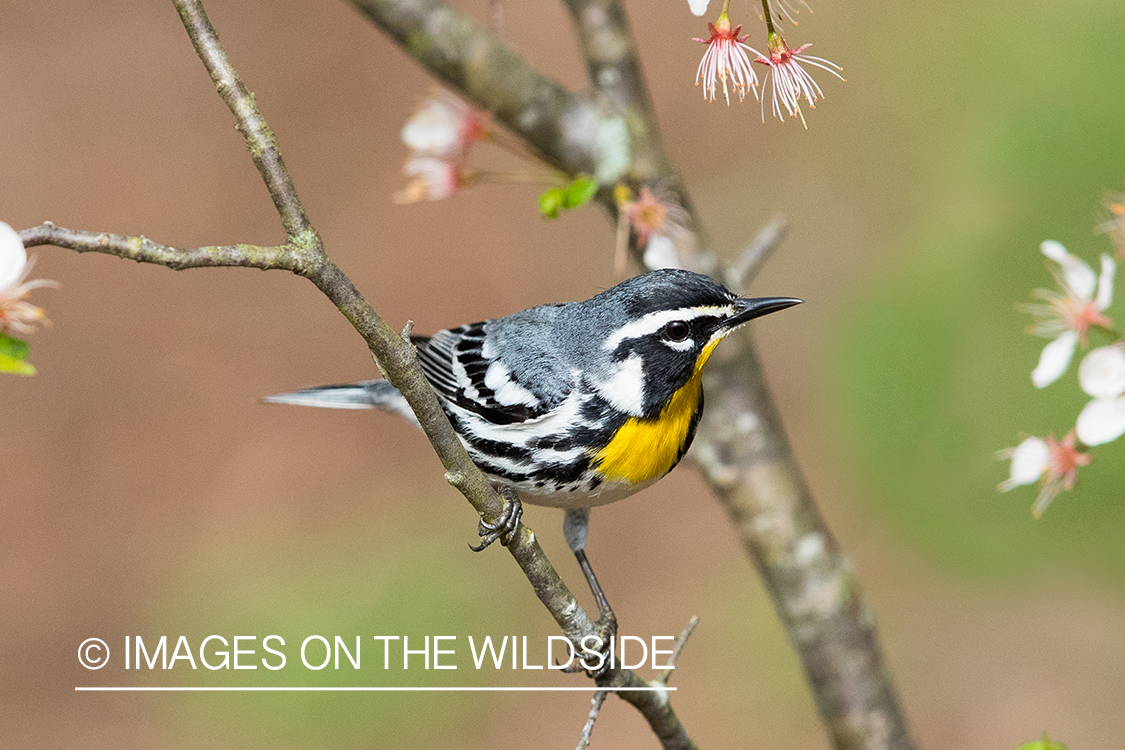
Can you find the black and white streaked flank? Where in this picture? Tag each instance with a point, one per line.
(536, 396)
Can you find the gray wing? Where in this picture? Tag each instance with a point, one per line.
(506, 370)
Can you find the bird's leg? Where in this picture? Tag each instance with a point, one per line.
(575, 524)
(505, 527)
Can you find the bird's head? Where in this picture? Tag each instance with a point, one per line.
(657, 331)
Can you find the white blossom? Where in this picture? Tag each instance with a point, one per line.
(791, 81)
(431, 179)
(1052, 463)
(726, 58)
(1029, 461)
(660, 252)
(1065, 316)
(16, 314)
(1102, 375)
(444, 126)
(698, 7)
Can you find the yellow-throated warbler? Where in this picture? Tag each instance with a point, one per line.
(576, 404)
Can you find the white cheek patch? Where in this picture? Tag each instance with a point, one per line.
(654, 321)
(509, 393)
(625, 388)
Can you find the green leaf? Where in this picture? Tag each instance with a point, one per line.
(1042, 744)
(13, 352)
(580, 192)
(14, 348)
(18, 366)
(551, 201)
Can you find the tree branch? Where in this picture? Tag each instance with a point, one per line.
(751, 469)
(614, 70)
(249, 121)
(747, 460)
(304, 255)
(750, 466)
(741, 273)
(566, 130)
(144, 250)
(678, 648)
(588, 729)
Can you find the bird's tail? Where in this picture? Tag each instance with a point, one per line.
(367, 394)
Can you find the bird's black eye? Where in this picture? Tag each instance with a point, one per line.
(677, 330)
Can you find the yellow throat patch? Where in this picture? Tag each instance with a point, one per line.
(647, 448)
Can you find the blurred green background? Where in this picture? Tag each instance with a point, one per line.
(932, 370)
(144, 491)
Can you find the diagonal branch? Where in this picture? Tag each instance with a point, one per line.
(612, 65)
(741, 445)
(259, 138)
(397, 361)
(304, 255)
(561, 127)
(746, 457)
(753, 258)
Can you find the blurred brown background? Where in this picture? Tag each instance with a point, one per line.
(143, 490)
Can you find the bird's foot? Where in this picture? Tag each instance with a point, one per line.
(505, 527)
(597, 649)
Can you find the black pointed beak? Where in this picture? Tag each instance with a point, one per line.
(746, 309)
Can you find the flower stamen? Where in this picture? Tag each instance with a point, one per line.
(726, 56)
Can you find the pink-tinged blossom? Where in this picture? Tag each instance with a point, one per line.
(1102, 375)
(444, 126)
(431, 179)
(726, 56)
(1066, 316)
(657, 219)
(16, 314)
(653, 213)
(1052, 463)
(791, 82)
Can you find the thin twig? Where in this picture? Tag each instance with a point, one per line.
(304, 255)
(677, 649)
(595, 708)
(739, 275)
(741, 444)
(756, 475)
(259, 138)
(144, 250)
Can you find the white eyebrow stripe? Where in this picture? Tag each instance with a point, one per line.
(653, 322)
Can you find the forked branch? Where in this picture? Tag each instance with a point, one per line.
(303, 254)
(741, 444)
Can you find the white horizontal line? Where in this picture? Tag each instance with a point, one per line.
(289, 689)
